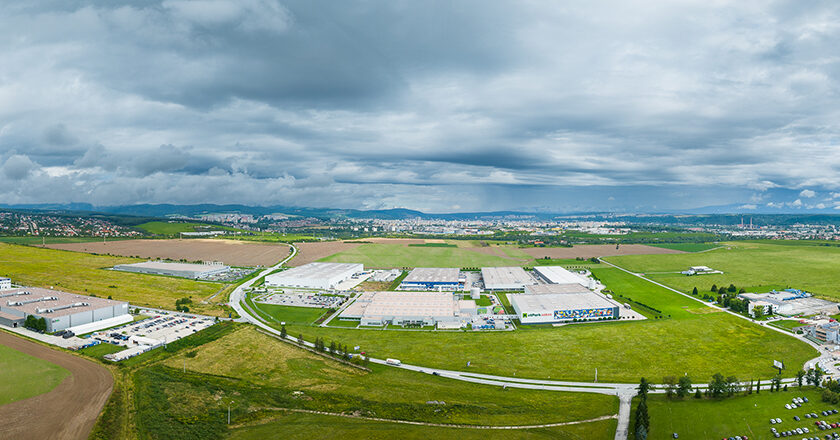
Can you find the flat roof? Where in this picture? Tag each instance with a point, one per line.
(405, 304)
(559, 275)
(560, 301)
(505, 277)
(62, 299)
(433, 275)
(173, 266)
(317, 270)
(566, 288)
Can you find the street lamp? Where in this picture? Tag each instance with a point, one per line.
(229, 411)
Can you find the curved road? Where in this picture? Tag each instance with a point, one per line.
(624, 391)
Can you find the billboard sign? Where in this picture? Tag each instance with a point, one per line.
(779, 364)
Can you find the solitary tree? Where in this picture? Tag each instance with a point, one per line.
(714, 288)
(642, 417)
(718, 385)
(670, 385)
(684, 386)
(283, 332)
(694, 292)
(799, 376)
(643, 388)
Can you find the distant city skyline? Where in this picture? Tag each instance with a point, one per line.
(434, 106)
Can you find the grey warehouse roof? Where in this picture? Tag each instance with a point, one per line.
(505, 277)
(433, 275)
(544, 289)
(9, 297)
(560, 301)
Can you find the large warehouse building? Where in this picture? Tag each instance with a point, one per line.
(315, 275)
(404, 308)
(61, 310)
(432, 278)
(185, 270)
(552, 303)
(506, 278)
(559, 275)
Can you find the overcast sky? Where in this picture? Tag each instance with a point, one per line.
(438, 106)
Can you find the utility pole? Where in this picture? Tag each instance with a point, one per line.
(596, 375)
(229, 411)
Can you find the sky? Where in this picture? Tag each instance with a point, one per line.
(439, 106)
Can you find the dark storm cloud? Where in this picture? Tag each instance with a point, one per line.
(430, 105)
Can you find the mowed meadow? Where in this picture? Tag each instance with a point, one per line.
(88, 274)
(755, 266)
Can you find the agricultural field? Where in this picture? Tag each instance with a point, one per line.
(299, 426)
(751, 265)
(25, 376)
(30, 240)
(174, 228)
(314, 251)
(727, 417)
(688, 247)
(231, 252)
(596, 250)
(86, 274)
(380, 255)
(689, 338)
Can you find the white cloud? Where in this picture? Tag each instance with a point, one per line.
(807, 193)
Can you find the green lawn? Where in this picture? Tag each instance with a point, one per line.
(396, 255)
(787, 324)
(101, 350)
(753, 266)
(86, 274)
(695, 339)
(300, 426)
(288, 314)
(740, 415)
(687, 247)
(25, 376)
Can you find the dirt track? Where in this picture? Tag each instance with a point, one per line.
(233, 252)
(596, 250)
(70, 410)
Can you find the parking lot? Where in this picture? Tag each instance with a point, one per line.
(302, 300)
(156, 330)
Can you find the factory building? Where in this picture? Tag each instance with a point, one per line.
(432, 278)
(61, 310)
(408, 308)
(315, 275)
(554, 303)
(184, 270)
(506, 278)
(5, 283)
(559, 275)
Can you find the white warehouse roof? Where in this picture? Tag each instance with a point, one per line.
(506, 278)
(433, 275)
(315, 275)
(559, 275)
(559, 301)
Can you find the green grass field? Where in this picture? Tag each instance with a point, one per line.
(787, 324)
(396, 255)
(100, 350)
(50, 240)
(85, 274)
(167, 228)
(740, 415)
(299, 426)
(753, 266)
(25, 376)
(390, 392)
(695, 339)
(687, 247)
